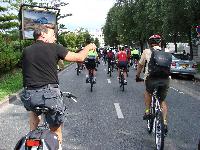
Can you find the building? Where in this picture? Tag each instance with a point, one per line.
(99, 34)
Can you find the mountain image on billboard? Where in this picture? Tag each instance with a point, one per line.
(33, 19)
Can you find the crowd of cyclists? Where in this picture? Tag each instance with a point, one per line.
(121, 57)
(40, 74)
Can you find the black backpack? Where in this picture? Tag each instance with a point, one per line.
(39, 139)
(159, 64)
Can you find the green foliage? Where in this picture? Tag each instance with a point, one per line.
(133, 21)
(74, 40)
(96, 42)
(198, 68)
(10, 82)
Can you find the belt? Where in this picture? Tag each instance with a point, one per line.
(42, 87)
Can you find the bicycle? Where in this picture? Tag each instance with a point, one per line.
(91, 79)
(78, 69)
(121, 79)
(35, 140)
(155, 122)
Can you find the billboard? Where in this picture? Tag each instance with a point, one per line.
(32, 18)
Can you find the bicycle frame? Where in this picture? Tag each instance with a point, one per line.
(156, 121)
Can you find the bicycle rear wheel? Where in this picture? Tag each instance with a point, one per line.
(122, 82)
(159, 131)
(78, 68)
(91, 84)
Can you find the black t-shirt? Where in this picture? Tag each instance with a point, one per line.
(39, 63)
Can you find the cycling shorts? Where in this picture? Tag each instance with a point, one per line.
(152, 83)
(122, 64)
(49, 97)
(90, 64)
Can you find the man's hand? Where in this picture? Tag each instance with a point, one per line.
(91, 46)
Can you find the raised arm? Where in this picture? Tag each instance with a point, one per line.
(79, 57)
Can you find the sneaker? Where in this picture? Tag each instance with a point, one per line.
(60, 147)
(165, 129)
(125, 82)
(94, 80)
(146, 116)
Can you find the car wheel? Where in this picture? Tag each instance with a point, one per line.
(191, 77)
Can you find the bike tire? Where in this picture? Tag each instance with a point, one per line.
(159, 131)
(122, 82)
(110, 72)
(77, 71)
(91, 84)
(150, 121)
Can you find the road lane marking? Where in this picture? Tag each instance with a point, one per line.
(109, 81)
(177, 90)
(118, 110)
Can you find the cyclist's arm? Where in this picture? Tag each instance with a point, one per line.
(141, 64)
(79, 57)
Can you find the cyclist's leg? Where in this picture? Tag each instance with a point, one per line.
(34, 120)
(163, 94)
(58, 131)
(147, 97)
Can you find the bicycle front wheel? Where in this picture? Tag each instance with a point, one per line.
(159, 131)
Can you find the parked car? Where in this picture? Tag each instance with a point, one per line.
(183, 65)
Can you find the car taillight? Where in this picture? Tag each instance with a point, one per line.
(194, 66)
(32, 142)
(173, 64)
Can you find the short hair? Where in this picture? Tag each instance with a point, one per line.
(42, 28)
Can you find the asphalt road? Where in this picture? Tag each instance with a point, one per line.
(109, 119)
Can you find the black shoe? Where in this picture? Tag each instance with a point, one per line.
(165, 129)
(146, 116)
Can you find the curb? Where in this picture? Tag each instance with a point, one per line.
(197, 77)
(15, 96)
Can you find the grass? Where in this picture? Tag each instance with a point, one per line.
(198, 68)
(10, 83)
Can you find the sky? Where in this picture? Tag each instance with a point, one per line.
(89, 14)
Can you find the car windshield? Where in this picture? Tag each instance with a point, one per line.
(180, 56)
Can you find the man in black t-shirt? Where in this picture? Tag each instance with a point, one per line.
(40, 79)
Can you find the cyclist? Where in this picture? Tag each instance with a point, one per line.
(154, 42)
(128, 53)
(40, 79)
(110, 58)
(104, 55)
(91, 64)
(135, 55)
(122, 62)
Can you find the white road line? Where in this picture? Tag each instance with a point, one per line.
(177, 90)
(118, 110)
(109, 81)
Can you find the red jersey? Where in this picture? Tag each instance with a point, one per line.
(110, 55)
(122, 56)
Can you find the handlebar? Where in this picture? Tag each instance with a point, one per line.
(69, 95)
